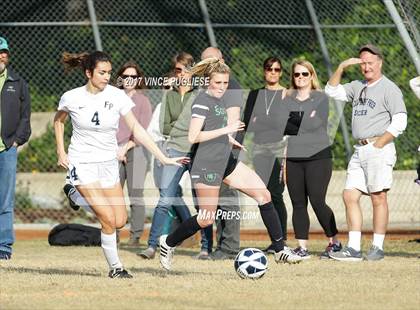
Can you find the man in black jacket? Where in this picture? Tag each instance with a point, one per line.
(15, 111)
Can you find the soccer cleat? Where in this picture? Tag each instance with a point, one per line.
(119, 273)
(332, 247)
(287, 256)
(149, 253)
(166, 253)
(375, 253)
(347, 254)
(302, 253)
(5, 255)
(70, 190)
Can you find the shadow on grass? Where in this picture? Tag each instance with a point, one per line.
(52, 271)
(163, 273)
(179, 251)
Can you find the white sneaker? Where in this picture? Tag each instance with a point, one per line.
(166, 253)
(287, 256)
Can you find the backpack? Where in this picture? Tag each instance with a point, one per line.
(74, 234)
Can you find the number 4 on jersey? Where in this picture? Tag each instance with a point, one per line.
(95, 119)
(73, 174)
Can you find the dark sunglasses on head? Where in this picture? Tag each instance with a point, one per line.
(277, 70)
(297, 74)
(126, 76)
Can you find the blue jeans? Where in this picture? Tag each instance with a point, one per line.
(8, 160)
(170, 194)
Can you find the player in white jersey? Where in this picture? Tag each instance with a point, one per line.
(378, 117)
(95, 110)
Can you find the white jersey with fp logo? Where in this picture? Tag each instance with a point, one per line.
(95, 119)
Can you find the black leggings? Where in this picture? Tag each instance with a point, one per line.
(309, 179)
(268, 168)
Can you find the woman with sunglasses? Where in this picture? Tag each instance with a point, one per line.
(213, 163)
(95, 110)
(309, 159)
(133, 158)
(264, 114)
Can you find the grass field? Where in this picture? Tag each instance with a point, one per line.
(44, 277)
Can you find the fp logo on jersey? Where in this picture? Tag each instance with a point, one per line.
(109, 105)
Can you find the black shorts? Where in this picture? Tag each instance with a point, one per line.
(214, 172)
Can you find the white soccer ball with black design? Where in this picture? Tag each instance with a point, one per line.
(251, 263)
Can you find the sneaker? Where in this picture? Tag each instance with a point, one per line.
(133, 242)
(166, 253)
(70, 190)
(221, 255)
(302, 252)
(119, 273)
(375, 253)
(287, 256)
(347, 254)
(203, 255)
(270, 249)
(332, 247)
(5, 255)
(149, 253)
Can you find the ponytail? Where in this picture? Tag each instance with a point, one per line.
(209, 66)
(84, 60)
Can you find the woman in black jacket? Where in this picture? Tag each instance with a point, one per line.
(309, 160)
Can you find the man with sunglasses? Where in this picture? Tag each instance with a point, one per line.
(378, 117)
(15, 127)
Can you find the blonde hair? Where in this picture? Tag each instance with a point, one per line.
(314, 82)
(209, 66)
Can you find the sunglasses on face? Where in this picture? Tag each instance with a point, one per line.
(277, 70)
(297, 74)
(126, 76)
(179, 70)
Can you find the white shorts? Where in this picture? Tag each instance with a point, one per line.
(105, 173)
(370, 168)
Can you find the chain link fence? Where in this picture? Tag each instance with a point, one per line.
(151, 32)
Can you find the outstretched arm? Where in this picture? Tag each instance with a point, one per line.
(141, 136)
(196, 135)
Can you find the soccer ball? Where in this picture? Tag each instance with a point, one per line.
(251, 263)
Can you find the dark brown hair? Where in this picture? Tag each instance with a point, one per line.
(85, 60)
(270, 61)
(184, 58)
(140, 74)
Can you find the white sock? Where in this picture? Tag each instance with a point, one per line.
(354, 240)
(78, 199)
(378, 240)
(109, 246)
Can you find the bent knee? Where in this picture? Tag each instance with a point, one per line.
(120, 223)
(108, 222)
(263, 197)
